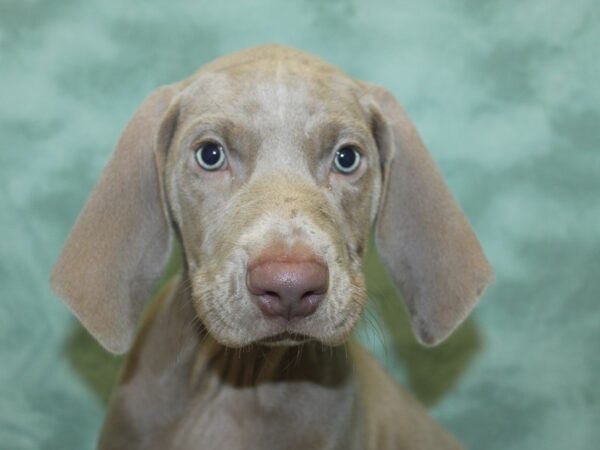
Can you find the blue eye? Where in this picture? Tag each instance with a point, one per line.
(347, 160)
(210, 156)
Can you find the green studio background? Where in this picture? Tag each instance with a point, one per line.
(505, 94)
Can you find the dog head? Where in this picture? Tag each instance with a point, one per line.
(270, 167)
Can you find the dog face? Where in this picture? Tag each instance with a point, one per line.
(276, 191)
(270, 166)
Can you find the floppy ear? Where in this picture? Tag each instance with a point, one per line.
(121, 240)
(422, 235)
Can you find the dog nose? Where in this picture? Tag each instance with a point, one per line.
(288, 289)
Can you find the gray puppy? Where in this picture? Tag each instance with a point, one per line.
(269, 166)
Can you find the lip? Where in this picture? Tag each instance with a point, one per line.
(284, 339)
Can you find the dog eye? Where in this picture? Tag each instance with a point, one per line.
(210, 156)
(346, 159)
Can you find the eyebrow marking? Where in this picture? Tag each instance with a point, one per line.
(349, 126)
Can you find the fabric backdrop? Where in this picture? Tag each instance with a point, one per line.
(506, 95)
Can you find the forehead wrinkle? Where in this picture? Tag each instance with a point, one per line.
(223, 126)
(207, 122)
(340, 126)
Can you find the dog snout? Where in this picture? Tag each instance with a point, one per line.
(288, 288)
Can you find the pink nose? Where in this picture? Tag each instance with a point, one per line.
(288, 289)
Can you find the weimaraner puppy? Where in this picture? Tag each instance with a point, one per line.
(269, 166)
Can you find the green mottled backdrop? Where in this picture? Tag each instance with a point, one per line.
(505, 93)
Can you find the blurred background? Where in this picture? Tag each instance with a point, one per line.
(505, 94)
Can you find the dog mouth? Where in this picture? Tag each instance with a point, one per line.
(285, 339)
(241, 322)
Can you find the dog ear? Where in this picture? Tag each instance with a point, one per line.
(425, 241)
(121, 241)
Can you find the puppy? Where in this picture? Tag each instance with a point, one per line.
(269, 167)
